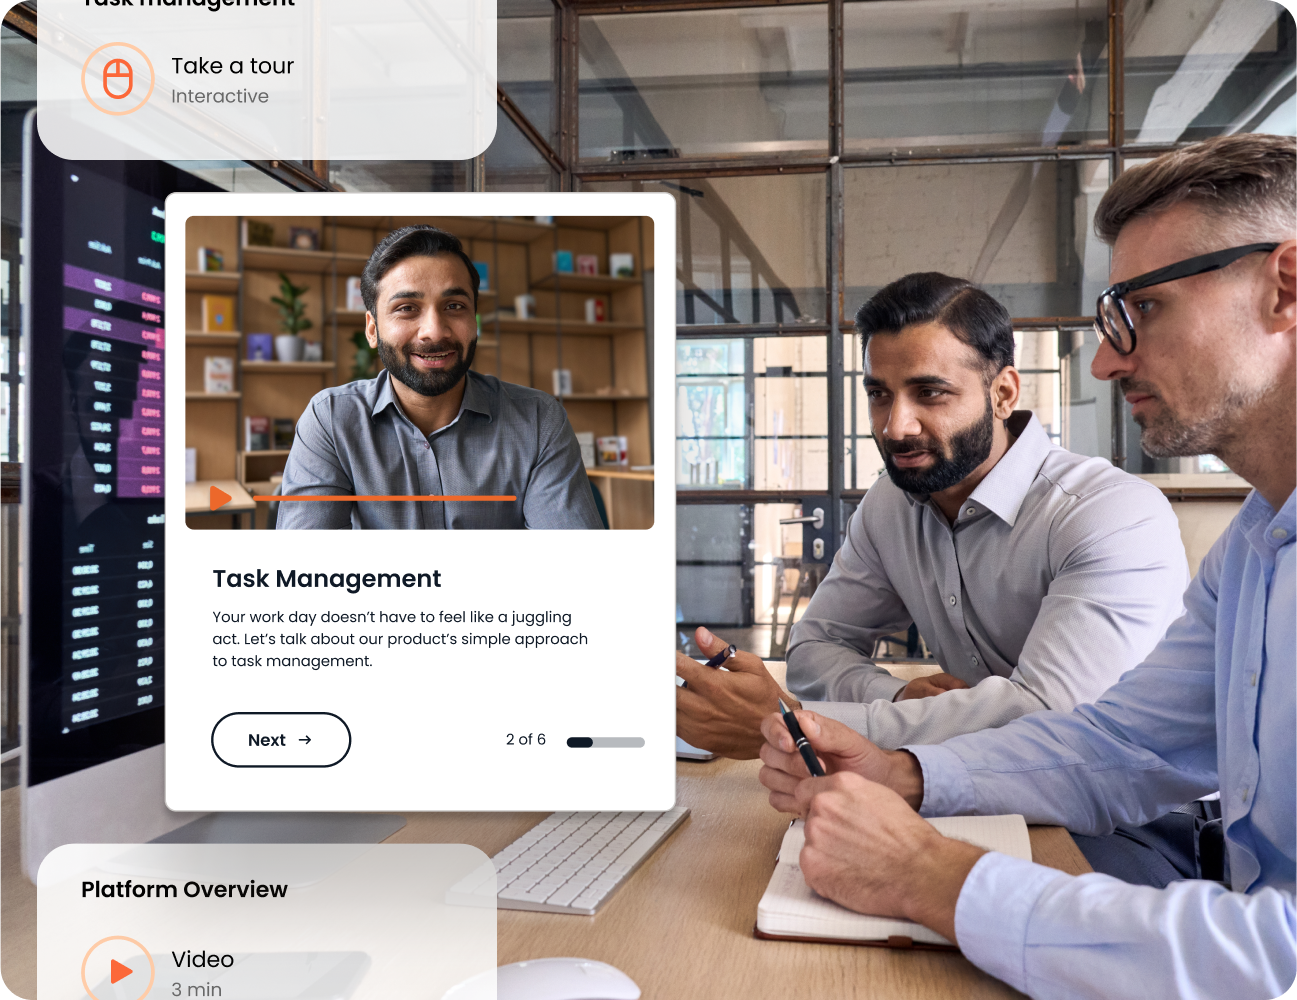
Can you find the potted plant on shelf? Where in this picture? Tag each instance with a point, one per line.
(292, 312)
(366, 357)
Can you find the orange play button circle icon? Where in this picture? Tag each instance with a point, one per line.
(118, 968)
(219, 497)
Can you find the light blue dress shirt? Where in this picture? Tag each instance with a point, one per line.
(1213, 706)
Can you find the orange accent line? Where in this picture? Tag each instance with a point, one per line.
(282, 498)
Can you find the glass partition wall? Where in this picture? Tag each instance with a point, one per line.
(816, 152)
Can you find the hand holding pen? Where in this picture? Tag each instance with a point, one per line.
(716, 661)
(800, 741)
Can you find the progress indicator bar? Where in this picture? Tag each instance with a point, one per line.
(283, 499)
(586, 742)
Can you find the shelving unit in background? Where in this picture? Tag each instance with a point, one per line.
(610, 361)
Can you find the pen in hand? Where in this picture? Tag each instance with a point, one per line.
(722, 656)
(803, 745)
(717, 660)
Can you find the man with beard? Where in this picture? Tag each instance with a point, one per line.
(1199, 330)
(428, 425)
(1036, 576)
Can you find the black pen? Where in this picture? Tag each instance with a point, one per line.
(717, 660)
(722, 656)
(803, 745)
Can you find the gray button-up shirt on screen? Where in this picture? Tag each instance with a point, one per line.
(355, 440)
(1059, 574)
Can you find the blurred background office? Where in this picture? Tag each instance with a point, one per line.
(815, 152)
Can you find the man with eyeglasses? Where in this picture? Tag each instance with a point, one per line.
(1200, 332)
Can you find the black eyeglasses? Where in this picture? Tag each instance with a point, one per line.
(1113, 322)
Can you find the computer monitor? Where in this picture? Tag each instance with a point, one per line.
(93, 322)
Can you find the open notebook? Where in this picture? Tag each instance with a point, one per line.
(791, 911)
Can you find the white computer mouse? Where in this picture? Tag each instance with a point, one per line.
(551, 979)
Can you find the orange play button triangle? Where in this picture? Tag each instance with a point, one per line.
(219, 499)
(116, 970)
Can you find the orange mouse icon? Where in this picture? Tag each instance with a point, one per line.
(119, 71)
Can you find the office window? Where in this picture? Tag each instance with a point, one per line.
(980, 72)
(736, 565)
(17, 68)
(1087, 401)
(752, 413)
(1023, 231)
(712, 413)
(513, 163)
(681, 83)
(790, 410)
(748, 249)
(525, 59)
(862, 461)
(1036, 358)
(713, 566)
(1196, 68)
(400, 175)
(232, 175)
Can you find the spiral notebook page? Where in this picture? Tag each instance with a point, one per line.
(791, 908)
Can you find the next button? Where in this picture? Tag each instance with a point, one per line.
(281, 739)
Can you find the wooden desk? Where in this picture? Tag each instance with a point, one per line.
(681, 927)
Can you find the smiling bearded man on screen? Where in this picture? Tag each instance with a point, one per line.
(428, 425)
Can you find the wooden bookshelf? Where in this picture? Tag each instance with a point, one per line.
(286, 367)
(570, 327)
(198, 337)
(613, 472)
(226, 282)
(609, 363)
(301, 261)
(570, 282)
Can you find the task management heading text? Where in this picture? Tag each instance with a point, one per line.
(352, 582)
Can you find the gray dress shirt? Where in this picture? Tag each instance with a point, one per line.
(355, 440)
(1060, 573)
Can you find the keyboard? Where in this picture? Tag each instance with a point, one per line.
(570, 862)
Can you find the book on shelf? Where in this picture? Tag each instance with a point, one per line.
(218, 314)
(791, 910)
(621, 265)
(613, 450)
(210, 260)
(594, 311)
(563, 261)
(191, 465)
(587, 263)
(586, 440)
(218, 374)
(282, 429)
(258, 234)
(260, 346)
(256, 433)
(483, 274)
(355, 301)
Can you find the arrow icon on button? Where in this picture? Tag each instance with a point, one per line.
(305, 739)
(219, 498)
(117, 971)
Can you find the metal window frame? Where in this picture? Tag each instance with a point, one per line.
(833, 164)
(561, 152)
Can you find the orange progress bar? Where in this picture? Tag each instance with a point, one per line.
(282, 499)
